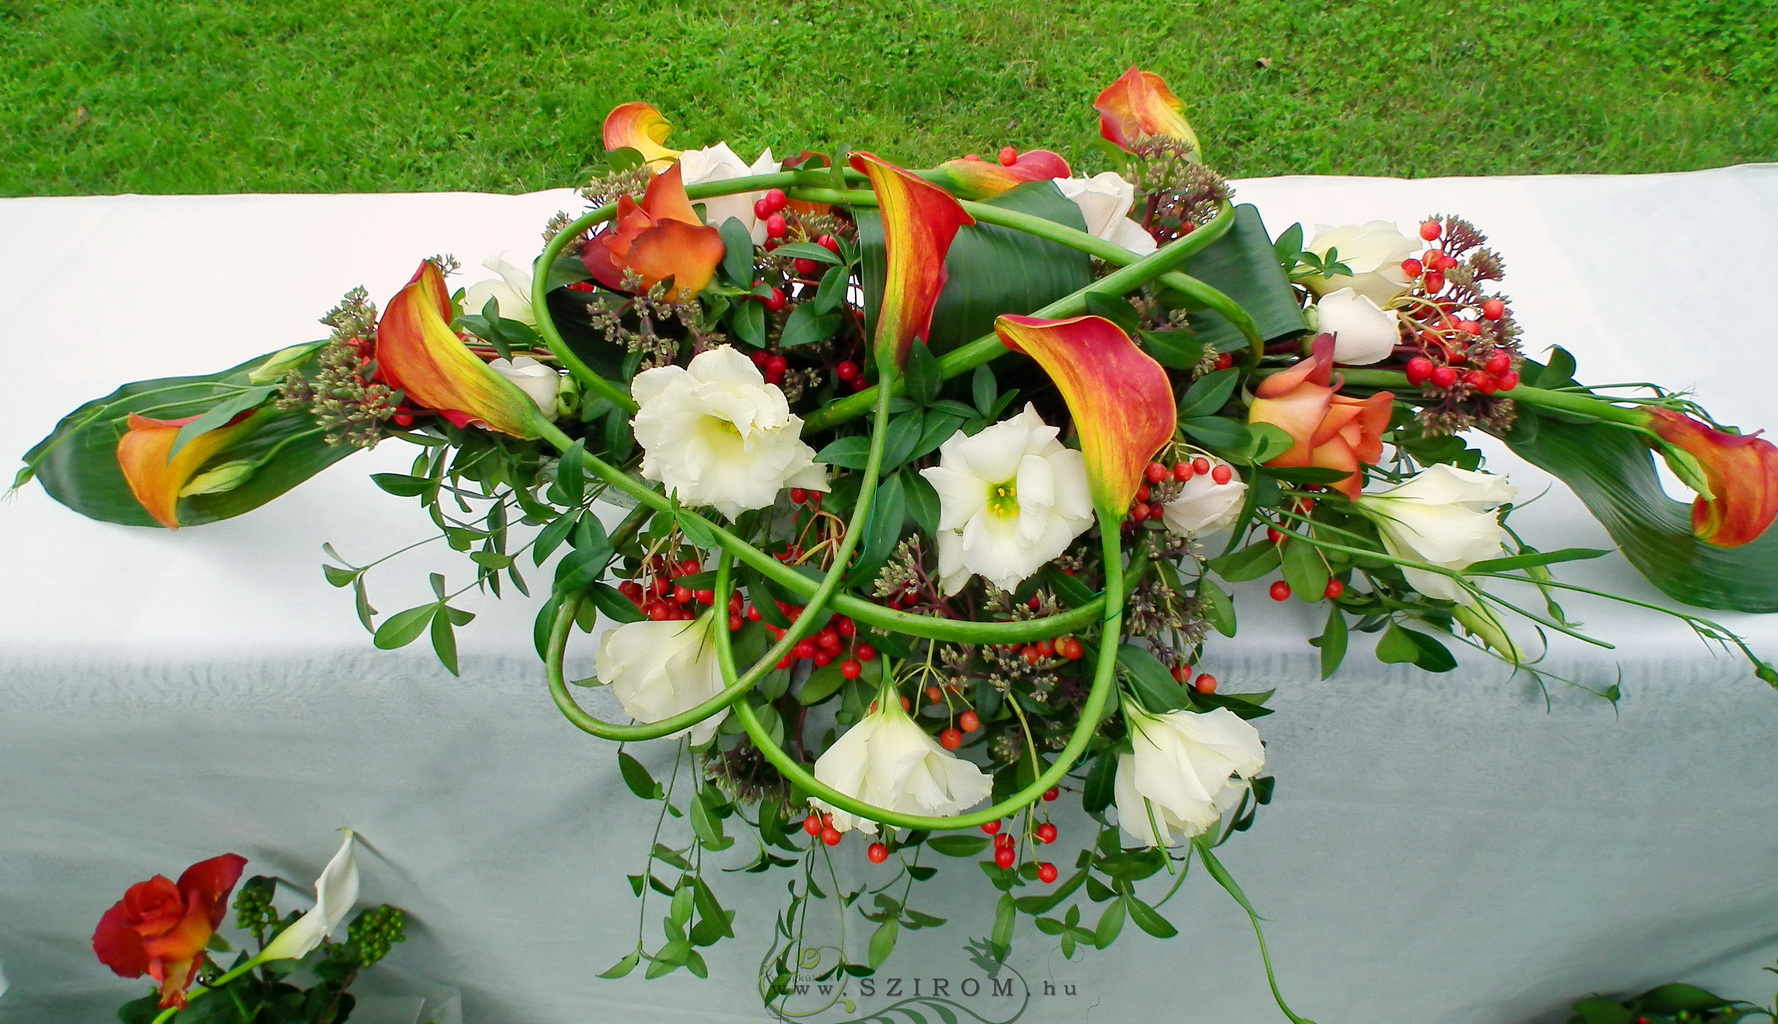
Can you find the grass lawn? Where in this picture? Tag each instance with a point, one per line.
(100, 96)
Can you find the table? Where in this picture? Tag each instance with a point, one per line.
(1441, 848)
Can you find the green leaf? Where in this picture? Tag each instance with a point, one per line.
(1218, 606)
(614, 605)
(846, 452)
(1400, 645)
(570, 482)
(1152, 683)
(404, 627)
(1110, 924)
(992, 270)
(1176, 350)
(921, 375)
(340, 577)
(1289, 245)
(821, 684)
(1243, 266)
(1304, 569)
(958, 845)
(1332, 640)
(807, 251)
(1148, 919)
(444, 638)
(220, 414)
(551, 537)
(1248, 563)
(1115, 308)
(832, 290)
(1601, 1011)
(922, 502)
(1209, 394)
(749, 321)
(983, 389)
(1677, 998)
(1100, 789)
(1005, 913)
(882, 942)
(1532, 558)
(805, 326)
(1267, 441)
(637, 777)
(1224, 435)
(737, 253)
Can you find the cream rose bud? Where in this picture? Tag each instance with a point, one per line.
(1183, 772)
(1373, 252)
(888, 761)
(541, 383)
(1443, 516)
(717, 434)
(719, 163)
(1105, 200)
(1205, 506)
(1010, 499)
(511, 290)
(1363, 334)
(659, 669)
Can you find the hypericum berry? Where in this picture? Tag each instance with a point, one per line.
(1430, 230)
(1476, 378)
(1182, 674)
(950, 739)
(831, 836)
(1488, 385)
(798, 495)
(776, 366)
(1444, 377)
(1435, 282)
(1005, 856)
(1275, 535)
(1280, 591)
(1509, 380)
(1008, 156)
(1205, 683)
(1498, 363)
(1155, 472)
(1411, 268)
(761, 209)
(1051, 793)
(1070, 648)
(1139, 511)
(1046, 833)
(1004, 841)
(812, 824)
(1334, 589)
(805, 267)
(803, 650)
(1224, 360)
(1046, 873)
(1470, 327)
(775, 300)
(830, 243)
(865, 652)
(851, 668)
(991, 827)
(1419, 370)
(846, 371)
(776, 226)
(776, 200)
(906, 704)
(1493, 309)
(1182, 472)
(877, 852)
(1222, 474)
(1200, 465)
(760, 356)
(734, 621)
(969, 721)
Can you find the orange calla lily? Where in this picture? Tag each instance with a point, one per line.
(1119, 396)
(1741, 471)
(1138, 106)
(1329, 430)
(417, 352)
(920, 220)
(154, 478)
(975, 178)
(658, 238)
(639, 126)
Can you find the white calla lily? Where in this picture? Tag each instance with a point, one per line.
(1444, 516)
(542, 384)
(658, 669)
(889, 761)
(336, 892)
(1372, 252)
(1363, 333)
(1105, 200)
(1184, 771)
(1011, 498)
(1205, 506)
(511, 291)
(719, 163)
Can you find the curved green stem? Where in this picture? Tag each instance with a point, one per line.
(204, 990)
(1573, 403)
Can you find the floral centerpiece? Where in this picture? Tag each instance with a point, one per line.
(932, 490)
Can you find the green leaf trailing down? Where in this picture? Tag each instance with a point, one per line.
(77, 463)
(1243, 266)
(992, 270)
(1614, 475)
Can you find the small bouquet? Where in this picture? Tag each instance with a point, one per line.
(933, 490)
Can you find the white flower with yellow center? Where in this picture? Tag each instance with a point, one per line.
(888, 761)
(717, 434)
(1184, 771)
(1011, 499)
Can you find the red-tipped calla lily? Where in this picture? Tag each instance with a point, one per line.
(1139, 106)
(155, 478)
(160, 929)
(639, 126)
(1741, 471)
(920, 220)
(975, 178)
(417, 352)
(659, 238)
(1119, 396)
(1329, 430)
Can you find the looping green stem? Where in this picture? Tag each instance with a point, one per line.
(1572, 403)
(203, 990)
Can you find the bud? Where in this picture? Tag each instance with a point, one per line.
(225, 477)
(281, 362)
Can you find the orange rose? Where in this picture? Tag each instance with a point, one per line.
(160, 929)
(1327, 429)
(659, 238)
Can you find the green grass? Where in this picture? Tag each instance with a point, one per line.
(100, 96)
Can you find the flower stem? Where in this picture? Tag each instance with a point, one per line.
(204, 990)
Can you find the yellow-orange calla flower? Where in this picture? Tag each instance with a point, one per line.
(639, 126)
(975, 178)
(1138, 106)
(155, 479)
(920, 220)
(1119, 396)
(1329, 430)
(658, 238)
(1741, 470)
(417, 352)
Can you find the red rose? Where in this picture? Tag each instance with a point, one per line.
(160, 929)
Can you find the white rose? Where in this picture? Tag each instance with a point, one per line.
(542, 384)
(659, 669)
(1011, 498)
(511, 290)
(335, 893)
(1363, 334)
(1373, 252)
(717, 434)
(1443, 516)
(719, 163)
(888, 761)
(1105, 200)
(1205, 506)
(1185, 771)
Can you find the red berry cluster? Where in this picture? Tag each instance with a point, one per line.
(839, 636)
(1006, 852)
(658, 595)
(1460, 350)
(1204, 683)
(1181, 471)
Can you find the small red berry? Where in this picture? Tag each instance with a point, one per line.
(991, 827)
(1046, 873)
(776, 366)
(1182, 674)
(1205, 683)
(851, 668)
(1488, 385)
(1004, 841)
(1008, 156)
(1411, 268)
(877, 852)
(1334, 588)
(1051, 793)
(1070, 648)
(775, 226)
(1200, 465)
(1509, 380)
(803, 650)
(762, 209)
(1430, 230)
(1280, 591)
(1493, 309)
(1435, 283)
(831, 836)
(1139, 511)
(776, 200)
(830, 243)
(1419, 369)
(734, 621)
(774, 300)
(907, 705)
(1155, 472)
(1444, 377)
(1004, 857)
(1182, 472)
(812, 824)
(760, 357)
(1498, 363)
(846, 371)
(969, 721)
(865, 652)
(804, 267)
(1143, 493)
(1475, 378)
(798, 495)
(1222, 474)
(950, 739)
(1224, 361)
(1046, 833)
(1470, 327)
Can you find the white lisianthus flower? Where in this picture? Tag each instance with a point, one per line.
(1373, 252)
(336, 891)
(1203, 505)
(1011, 498)
(1443, 516)
(1363, 334)
(717, 434)
(658, 669)
(512, 290)
(719, 163)
(1105, 200)
(542, 384)
(1185, 771)
(888, 761)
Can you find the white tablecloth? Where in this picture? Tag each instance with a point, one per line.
(1442, 848)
